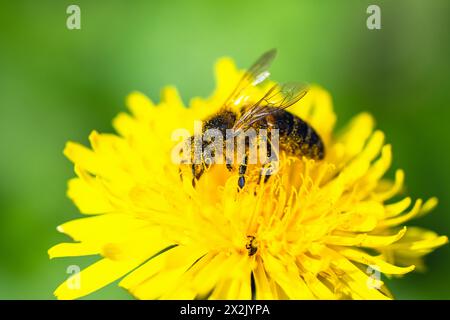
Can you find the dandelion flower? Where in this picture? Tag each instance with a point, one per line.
(316, 229)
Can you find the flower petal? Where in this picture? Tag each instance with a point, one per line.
(364, 258)
(94, 277)
(364, 239)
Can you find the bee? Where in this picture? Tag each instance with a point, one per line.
(296, 137)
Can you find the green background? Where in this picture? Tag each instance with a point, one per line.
(58, 84)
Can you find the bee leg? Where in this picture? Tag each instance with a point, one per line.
(229, 158)
(229, 163)
(271, 168)
(180, 173)
(242, 170)
(197, 172)
(266, 177)
(193, 175)
(267, 168)
(263, 172)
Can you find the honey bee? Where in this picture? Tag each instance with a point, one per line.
(296, 137)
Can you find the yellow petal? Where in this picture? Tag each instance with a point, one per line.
(174, 258)
(171, 97)
(417, 240)
(262, 284)
(82, 156)
(158, 285)
(392, 222)
(355, 135)
(395, 209)
(140, 105)
(103, 228)
(143, 242)
(355, 279)
(383, 193)
(124, 124)
(94, 277)
(321, 291)
(364, 258)
(88, 193)
(291, 282)
(73, 250)
(364, 239)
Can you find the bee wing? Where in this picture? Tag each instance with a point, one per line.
(278, 97)
(255, 75)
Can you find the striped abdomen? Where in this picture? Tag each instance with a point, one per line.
(297, 137)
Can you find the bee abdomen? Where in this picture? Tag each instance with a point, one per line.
(307, 139)
(297, 137)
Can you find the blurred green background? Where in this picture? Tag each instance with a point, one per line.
(58, 84)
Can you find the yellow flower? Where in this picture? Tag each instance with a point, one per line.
(318, 229)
